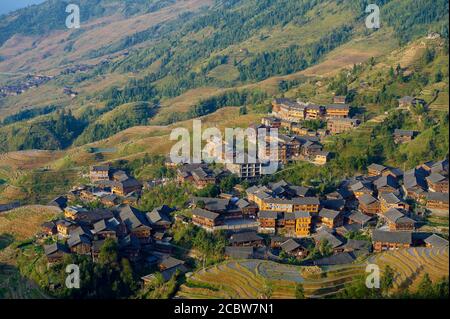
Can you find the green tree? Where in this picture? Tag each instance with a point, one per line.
(387, 280)
(299, 291)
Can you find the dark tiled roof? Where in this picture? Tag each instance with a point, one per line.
(53, 248)
(268, 214)
(338, 259)
(132, 217)
(376, 167)
(330, 238)
(390, 198)
(170, 262)
(359, 217)
(385, 181)
(353, 244)
(300, 191)
(159, 214)
(435, 178)
(301, 215)
(78, 239)
(99, 168)
(239, 252)
(436, 241)
(290, 245)
(392, 215)
(213, 204)
(335, 204)
(404, 132)
(205, 213)
(244, 237)
(392, 237)
(328, 213)
(442, 197)
(367, 199)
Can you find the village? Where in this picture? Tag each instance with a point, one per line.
(381, 210)
(30, 81)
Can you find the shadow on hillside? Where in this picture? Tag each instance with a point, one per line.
(14, 286)
(6, 240)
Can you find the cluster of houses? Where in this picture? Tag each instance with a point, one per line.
(379, 203)
(290, 114)
(30, 81)
(108, 186)
(77, 68)
(141, 237)
(272, 221)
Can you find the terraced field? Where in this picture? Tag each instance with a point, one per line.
(411, 264)
(252, 279)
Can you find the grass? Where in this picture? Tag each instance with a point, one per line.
(24, 222)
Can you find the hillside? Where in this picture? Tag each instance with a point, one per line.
(141, 68)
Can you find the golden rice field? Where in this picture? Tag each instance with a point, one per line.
(24, 222)
(252, 279)
(412, 264)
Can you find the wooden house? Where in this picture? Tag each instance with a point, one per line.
(437, 201)
(340, 99)
(361, 188)
(403, 136)
(337, 110)
(397, 221)
(341, 125)
(388, 240)
(437, 183)
(49, 228)
(292, 248)
(125, 187)
(386, 184)
(99, 173)
(331, 218)
(80, 244)
(435, 241)
(246, 238)
(55, 252)
(205, 218)
(376, 169)
(64, 226)
(390, 200)
(267, 221)
(369, 205)
(322, 158)
(136, 223)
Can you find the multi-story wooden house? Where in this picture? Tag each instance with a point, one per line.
(267, 221)
(337, 111)
(361, 188)
(369, 205)
(376, 169)
(437, 201)
(55, 252)
(387, 240)
(314, 112)
(437, 183)
(403, 136)
(331, 218)
(397, 221)
(386, 184)
(298, 204)
(99, 173)
(341, 125)
(390, 200)
(205, 218)
(126, 187)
